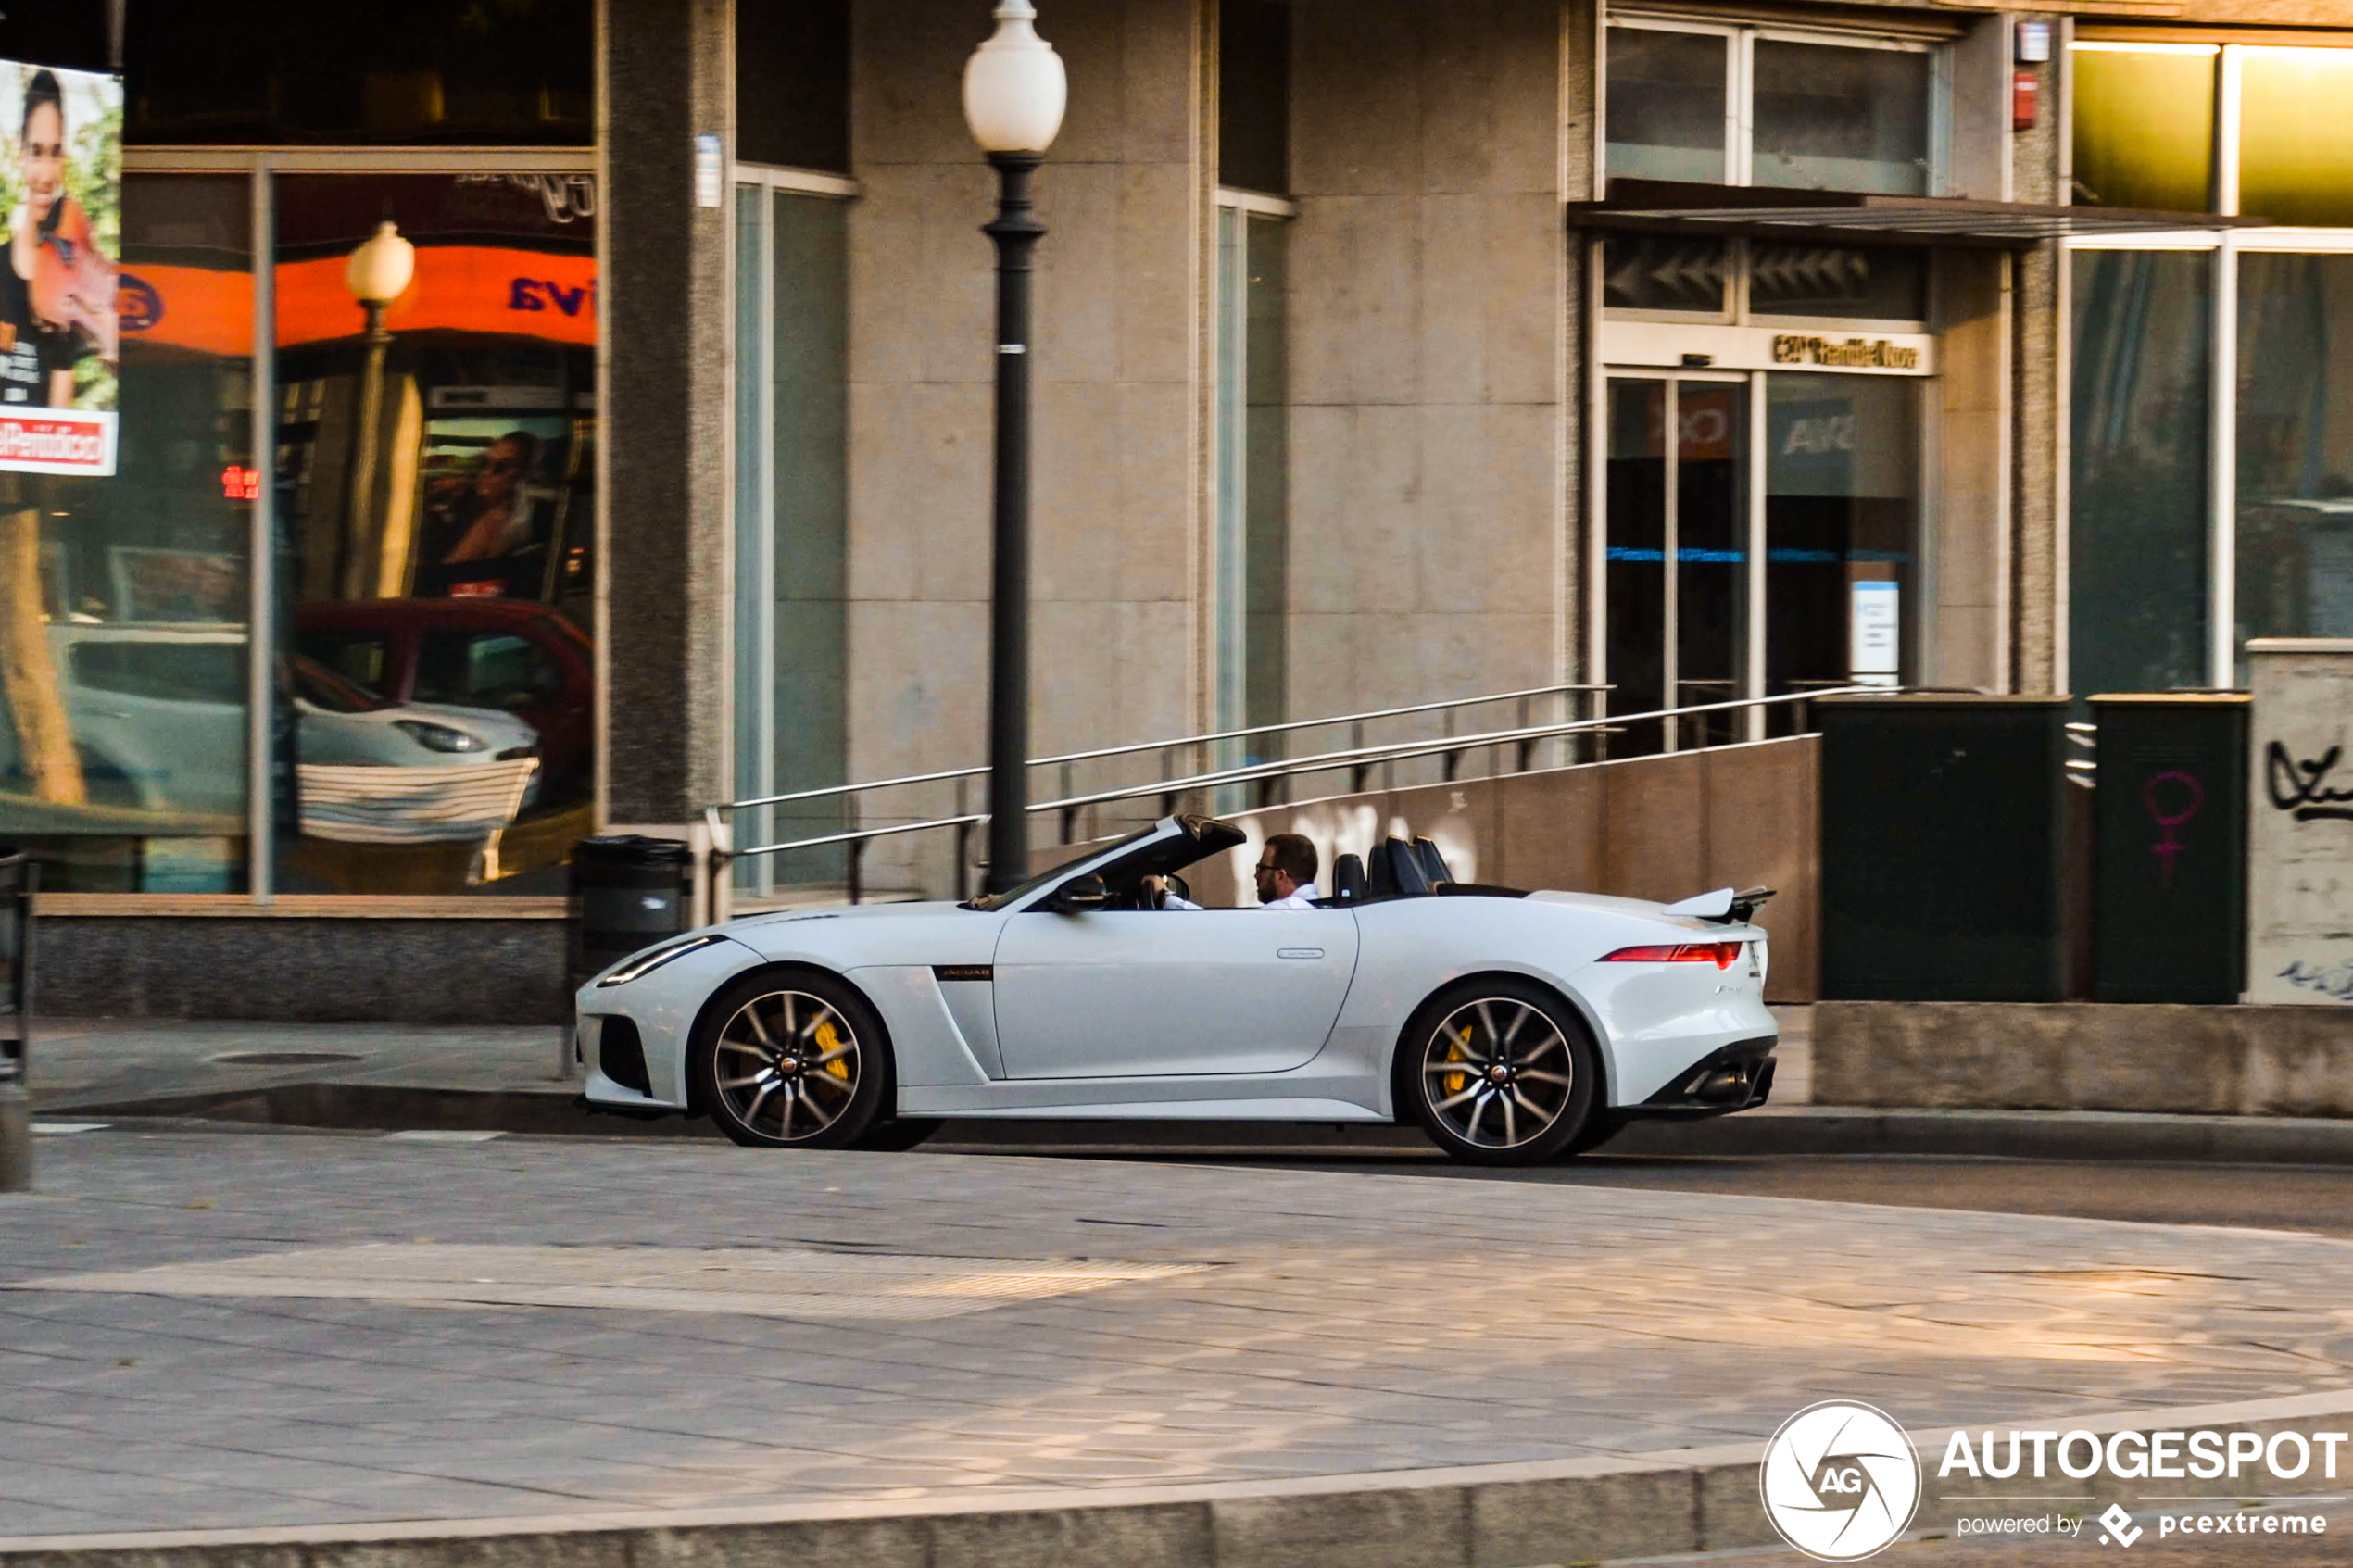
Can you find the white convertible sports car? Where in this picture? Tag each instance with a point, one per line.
(1513, 1027)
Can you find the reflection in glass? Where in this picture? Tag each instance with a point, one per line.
(1634, 567)
(2294, 434)
(1839, 119)
(123, 752)
(1646, 273)
(1842, 522)
(1867, 283)
(2138, 528)
(2144, 125)
(1711, 554)
(2295, 135)
(1666, 105)
(452, 577)
(1266, 554)
(792, 632)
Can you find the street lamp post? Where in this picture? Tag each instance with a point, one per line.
(1014, 92)
(377, 274)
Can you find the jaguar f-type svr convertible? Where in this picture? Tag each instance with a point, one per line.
(1511, 1026)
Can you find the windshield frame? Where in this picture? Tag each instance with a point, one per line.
(990, 903)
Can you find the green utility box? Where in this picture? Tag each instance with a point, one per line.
(2169, 913)
(1944, 832)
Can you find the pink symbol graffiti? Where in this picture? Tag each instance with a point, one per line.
(2167, 846)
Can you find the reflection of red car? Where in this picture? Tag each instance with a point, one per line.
(520, 658)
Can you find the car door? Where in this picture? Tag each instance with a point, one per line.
(1128, 993)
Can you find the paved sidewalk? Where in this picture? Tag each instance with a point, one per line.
(1163, 1325)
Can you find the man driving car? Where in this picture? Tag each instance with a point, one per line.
(1286, 876)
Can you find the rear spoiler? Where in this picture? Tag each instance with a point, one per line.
(1723, 906)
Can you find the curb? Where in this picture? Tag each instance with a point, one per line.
(1488, 1516)
(1811, 1130)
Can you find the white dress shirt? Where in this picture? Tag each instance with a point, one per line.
(1302, 898)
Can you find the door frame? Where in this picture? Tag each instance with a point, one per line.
(1751, 674)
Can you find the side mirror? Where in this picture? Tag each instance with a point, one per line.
(1079, 894)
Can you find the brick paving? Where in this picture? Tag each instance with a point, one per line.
(1342, 1324)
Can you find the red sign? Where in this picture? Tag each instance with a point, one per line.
(240, 484)
(58, 441)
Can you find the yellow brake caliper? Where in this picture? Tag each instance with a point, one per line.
(1455, 1082)
(828, 1040)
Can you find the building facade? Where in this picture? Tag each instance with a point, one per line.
(1386, 353)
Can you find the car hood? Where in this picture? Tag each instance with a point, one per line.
(930, 908)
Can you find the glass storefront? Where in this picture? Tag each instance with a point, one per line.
(2295, 446)
(124, 752)
(435, 503)
(1842, 531)
(2137, 581)
(792, 515)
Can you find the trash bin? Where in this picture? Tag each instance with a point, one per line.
(19, 879)
(628, 892)
(2169, 915)
(1944, 835)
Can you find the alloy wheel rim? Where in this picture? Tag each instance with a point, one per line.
(789, 1064)
(1498, 1073)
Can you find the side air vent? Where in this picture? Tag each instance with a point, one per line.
(620, 1054)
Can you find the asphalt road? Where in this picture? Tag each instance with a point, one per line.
(2317, 1199)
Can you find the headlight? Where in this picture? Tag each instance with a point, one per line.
(653, 958)
(439, 738)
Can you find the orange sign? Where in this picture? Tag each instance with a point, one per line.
(491, 289)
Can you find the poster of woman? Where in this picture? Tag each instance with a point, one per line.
(61, 189)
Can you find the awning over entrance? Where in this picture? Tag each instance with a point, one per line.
(1667, 206)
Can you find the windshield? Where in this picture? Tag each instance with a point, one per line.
(1013, 895)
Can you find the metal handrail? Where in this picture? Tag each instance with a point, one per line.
(831, 790)
(1353, 757)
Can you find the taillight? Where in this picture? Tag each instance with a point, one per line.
(1721, 954)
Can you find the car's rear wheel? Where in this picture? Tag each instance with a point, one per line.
(792, 1060)
(1499, 1073)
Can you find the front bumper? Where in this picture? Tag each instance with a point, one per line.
(1734, 1077)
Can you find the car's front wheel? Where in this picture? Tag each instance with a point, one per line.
(792, 1061)
(1499, 1073)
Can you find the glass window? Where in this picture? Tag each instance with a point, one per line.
(1254, 94)
(792, 84)
(2144, 125)
(2137, 535)
(435, 490)
(792, 444)
(2295, 135)
(1866, 282)
(1642, 272)
(1666, 105)
(1253, 539)
(123, 739)
(1842, 523)
(1834, 118)
(512, 72)
(2296, 446)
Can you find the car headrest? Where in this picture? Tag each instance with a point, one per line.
(1381, 880)
(1405, 865)
(1348, 879)
(1433, 864)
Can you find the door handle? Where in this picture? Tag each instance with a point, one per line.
(1299, 952)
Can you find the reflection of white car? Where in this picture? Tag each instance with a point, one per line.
(1513, 1027)
(158, 716)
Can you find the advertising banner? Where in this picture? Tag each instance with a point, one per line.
(61, 192)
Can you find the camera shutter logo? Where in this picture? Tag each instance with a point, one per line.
(1840, 1481)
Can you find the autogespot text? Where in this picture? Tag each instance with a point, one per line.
(2146, 1456)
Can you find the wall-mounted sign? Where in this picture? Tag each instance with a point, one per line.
(60, 138)
(1678, 345)
(2300, 821)
(1844, 353)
